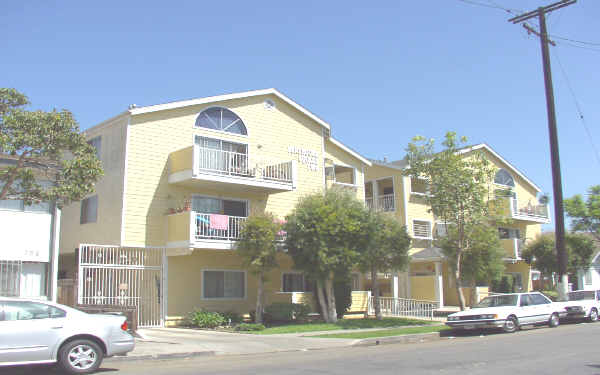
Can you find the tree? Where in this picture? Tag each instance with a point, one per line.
(482, 262)
(258, 248)
(541, 253)
(585, 215)
(324, 238)
(459, 189)
(386, 250)
(43, 146)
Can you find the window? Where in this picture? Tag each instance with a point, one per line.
(504, 178)
(10, 276)
(208, 205)
(344, 175)
(295, 282)
(538, 299)
(221, 119)
(96, 143)
(89, 210)
(526, 300)
(509, 233)
(418, 186)
(224, 284)
(441, 229)
(587, 279)
(356, 281)
(30, 310)
(19, 205)
(421, 229)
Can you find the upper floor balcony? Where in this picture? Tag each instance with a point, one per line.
(197, 166)
(379, 195)
(538, 213)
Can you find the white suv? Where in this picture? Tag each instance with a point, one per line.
(509, 312)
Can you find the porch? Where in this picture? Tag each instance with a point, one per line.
(379, 195)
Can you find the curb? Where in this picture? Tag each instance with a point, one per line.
(404, 339)
(159, 356)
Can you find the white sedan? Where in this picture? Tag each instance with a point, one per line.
(583, 304)
(509, 312)
(34, 332)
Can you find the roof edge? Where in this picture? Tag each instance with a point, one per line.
(350, 151)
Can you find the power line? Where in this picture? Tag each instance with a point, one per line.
(564, 43)
(574, 40)
(578, 107)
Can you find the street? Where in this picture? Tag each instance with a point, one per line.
(570, 348)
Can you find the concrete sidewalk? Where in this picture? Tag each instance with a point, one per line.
(163, 343)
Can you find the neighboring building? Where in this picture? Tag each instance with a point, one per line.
(28, 247)
(428, 277)
(184, 176)
(589, 279)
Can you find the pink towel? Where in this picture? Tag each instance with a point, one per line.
(219, 221)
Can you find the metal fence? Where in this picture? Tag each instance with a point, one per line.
(10, 277)
(403, 307)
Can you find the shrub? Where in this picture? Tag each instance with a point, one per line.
(505, 285)
(247, 327)
(206, 319)
(286, 312)
(231, 317)
(301, 311)
(342, 291)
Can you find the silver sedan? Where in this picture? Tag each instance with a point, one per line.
(34, 332)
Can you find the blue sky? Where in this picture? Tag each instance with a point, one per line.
(379, 73)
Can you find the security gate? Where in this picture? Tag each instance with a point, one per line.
(10, 277)
(124, 276)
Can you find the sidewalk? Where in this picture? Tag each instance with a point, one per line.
(163, 343)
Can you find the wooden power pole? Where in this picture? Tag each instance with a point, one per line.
(556, 176)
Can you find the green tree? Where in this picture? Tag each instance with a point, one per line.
(258, 248)
(541, 253)
(482, 261)
(459, 190)
(386, 250)
(43, 146)
(324, 238)
(585, 215)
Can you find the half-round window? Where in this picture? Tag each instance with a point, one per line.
(222, 119)
(504, 178)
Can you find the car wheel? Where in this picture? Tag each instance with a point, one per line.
(554, 321)
(80, 357)
(593, 315)
(511, 324)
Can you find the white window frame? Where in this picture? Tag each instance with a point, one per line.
(224, 298)
(221, 132)
(354, 175)
(502, 185)
(417, 193)
(430, 229)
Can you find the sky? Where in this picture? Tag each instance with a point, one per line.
(379, 73)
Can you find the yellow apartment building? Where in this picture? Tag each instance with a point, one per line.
(184, 176)
(428, 277)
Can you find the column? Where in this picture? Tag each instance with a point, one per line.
(375, 196)
(439, 284)
(394, 288)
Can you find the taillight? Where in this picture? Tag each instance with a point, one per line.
(124, 326)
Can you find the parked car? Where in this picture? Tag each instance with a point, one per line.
(509, 312)
(582, 304)
(33, 332)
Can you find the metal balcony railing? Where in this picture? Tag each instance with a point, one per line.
(385, 202)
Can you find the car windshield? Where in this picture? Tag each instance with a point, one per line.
(581, 295)
(495, 301)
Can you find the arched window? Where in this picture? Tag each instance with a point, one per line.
(504, 178)
(217, 118)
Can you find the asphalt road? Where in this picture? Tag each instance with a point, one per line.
(568, 349)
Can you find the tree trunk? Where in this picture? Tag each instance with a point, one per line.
(459, 291)
(259, 299)
(473, 293)
(330, 296)
(322, 300)
(375, 288)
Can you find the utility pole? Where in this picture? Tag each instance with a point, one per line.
(556, 176)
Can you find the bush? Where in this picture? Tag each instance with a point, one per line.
(286, 312)
(206, 319)
(342, 290)
(247, 327)
(231, 317)
(505, 285)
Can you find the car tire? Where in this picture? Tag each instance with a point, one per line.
(80, 357)
(511, 324)
(593, 315)
(554, 321)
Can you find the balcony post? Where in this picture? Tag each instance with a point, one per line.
(439, 284)
(375, 196)
(294, 173)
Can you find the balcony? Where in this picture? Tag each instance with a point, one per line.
(197, 166)
(385, 203)
(531, 213)
(191, 229)
(513, 247)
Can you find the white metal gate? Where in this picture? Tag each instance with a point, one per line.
(10, 277)
(124, 276)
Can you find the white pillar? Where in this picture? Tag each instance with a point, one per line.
(439, 284)
(375, 196)
(395, 285)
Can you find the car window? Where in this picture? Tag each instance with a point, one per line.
(15, 310)
(496, 301)
(525, 300)
(538, 299)
(581, 295)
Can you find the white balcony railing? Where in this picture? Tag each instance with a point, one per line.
(384, 202)
(207, 230)
(403, 307)
(534, 212)
(238, 165)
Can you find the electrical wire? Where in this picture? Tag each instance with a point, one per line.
(578, 107)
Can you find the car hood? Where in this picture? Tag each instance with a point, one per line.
(482, 310)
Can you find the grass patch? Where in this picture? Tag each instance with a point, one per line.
(343, 324)
(384, 332)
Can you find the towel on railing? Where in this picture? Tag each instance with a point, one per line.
(219, 221)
